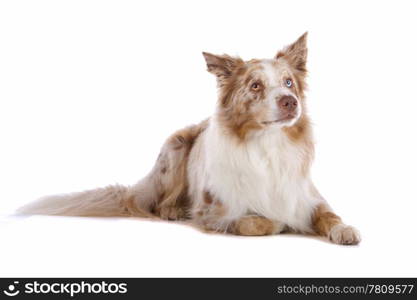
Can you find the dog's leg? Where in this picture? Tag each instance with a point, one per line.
(171, 176)
(328, 224)
(255, 225)
(171, 173)
(213, 215)
(171, 209)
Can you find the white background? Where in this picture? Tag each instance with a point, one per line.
(89, 90)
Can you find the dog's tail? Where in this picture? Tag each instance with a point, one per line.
(110, 201)
(166, 183)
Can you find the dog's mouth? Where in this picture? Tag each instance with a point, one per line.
(287, 118)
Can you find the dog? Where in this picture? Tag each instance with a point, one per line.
(245, 170)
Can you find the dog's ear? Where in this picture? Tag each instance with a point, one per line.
(221, 65)
(296, 53)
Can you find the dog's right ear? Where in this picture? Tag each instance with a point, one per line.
(221, 65)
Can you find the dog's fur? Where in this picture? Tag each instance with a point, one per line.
(245, 170)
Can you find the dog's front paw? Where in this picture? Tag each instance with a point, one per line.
(344, 235)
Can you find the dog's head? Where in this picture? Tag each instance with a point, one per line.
(257, 94)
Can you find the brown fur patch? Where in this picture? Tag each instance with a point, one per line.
(323, 220)
(207, 198)
(301, 134)
(252, 226)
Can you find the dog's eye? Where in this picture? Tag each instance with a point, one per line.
(255, 86)
(288, 83)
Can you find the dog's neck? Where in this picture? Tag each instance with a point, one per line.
(272, 140)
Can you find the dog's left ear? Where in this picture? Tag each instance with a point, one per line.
(296, 53)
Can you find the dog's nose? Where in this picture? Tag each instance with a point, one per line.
(287, 103)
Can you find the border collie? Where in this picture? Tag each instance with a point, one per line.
(245, 170)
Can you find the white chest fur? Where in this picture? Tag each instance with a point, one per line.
(261, 176)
